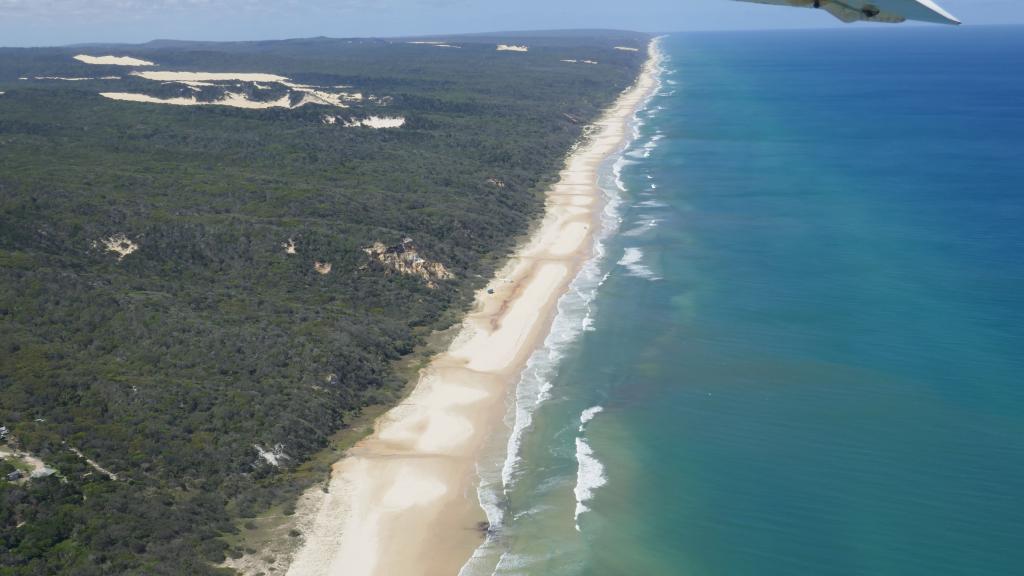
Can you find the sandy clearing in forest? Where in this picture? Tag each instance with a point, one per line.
(38, 468)
(119, 244)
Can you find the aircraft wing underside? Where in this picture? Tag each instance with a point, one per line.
(874, 10)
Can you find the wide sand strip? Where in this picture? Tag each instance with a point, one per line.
(403, 501)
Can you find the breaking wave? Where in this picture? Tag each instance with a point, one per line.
(590, 471)
(632, 261)
(642, 228)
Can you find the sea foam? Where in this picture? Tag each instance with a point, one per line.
(589, 472)
(575, 315)
(588, 415)
(632, 261)
(642, 228)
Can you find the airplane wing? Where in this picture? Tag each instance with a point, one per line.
(874, 10)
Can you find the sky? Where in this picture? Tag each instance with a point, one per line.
(59, 22)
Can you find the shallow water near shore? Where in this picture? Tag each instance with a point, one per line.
(799, 352)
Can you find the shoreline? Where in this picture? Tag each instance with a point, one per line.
(404, 500)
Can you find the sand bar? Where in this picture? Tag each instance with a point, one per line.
(404, 500)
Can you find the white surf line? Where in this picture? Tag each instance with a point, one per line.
(613, 134)
(588, 415)
(589, 470)
(632, 261)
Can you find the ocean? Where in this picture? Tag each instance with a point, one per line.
(799, 348)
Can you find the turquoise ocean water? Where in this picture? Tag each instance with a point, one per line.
(801, 348)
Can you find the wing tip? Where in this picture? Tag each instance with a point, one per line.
(941, 12)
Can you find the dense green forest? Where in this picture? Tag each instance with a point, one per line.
(172, 366)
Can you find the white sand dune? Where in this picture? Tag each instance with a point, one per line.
(378, 122)
(76, 79)
(113, 60)
(313, 94)
(435, 43)
(403, 501)
(168, 76)
(229, 99)
(239, 100)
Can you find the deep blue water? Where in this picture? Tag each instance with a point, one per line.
(809, 348)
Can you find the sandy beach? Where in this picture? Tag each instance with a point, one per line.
(404, 500)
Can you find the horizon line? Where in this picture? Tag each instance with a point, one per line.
(832, 28)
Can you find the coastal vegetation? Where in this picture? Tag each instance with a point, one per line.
(194, 300)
